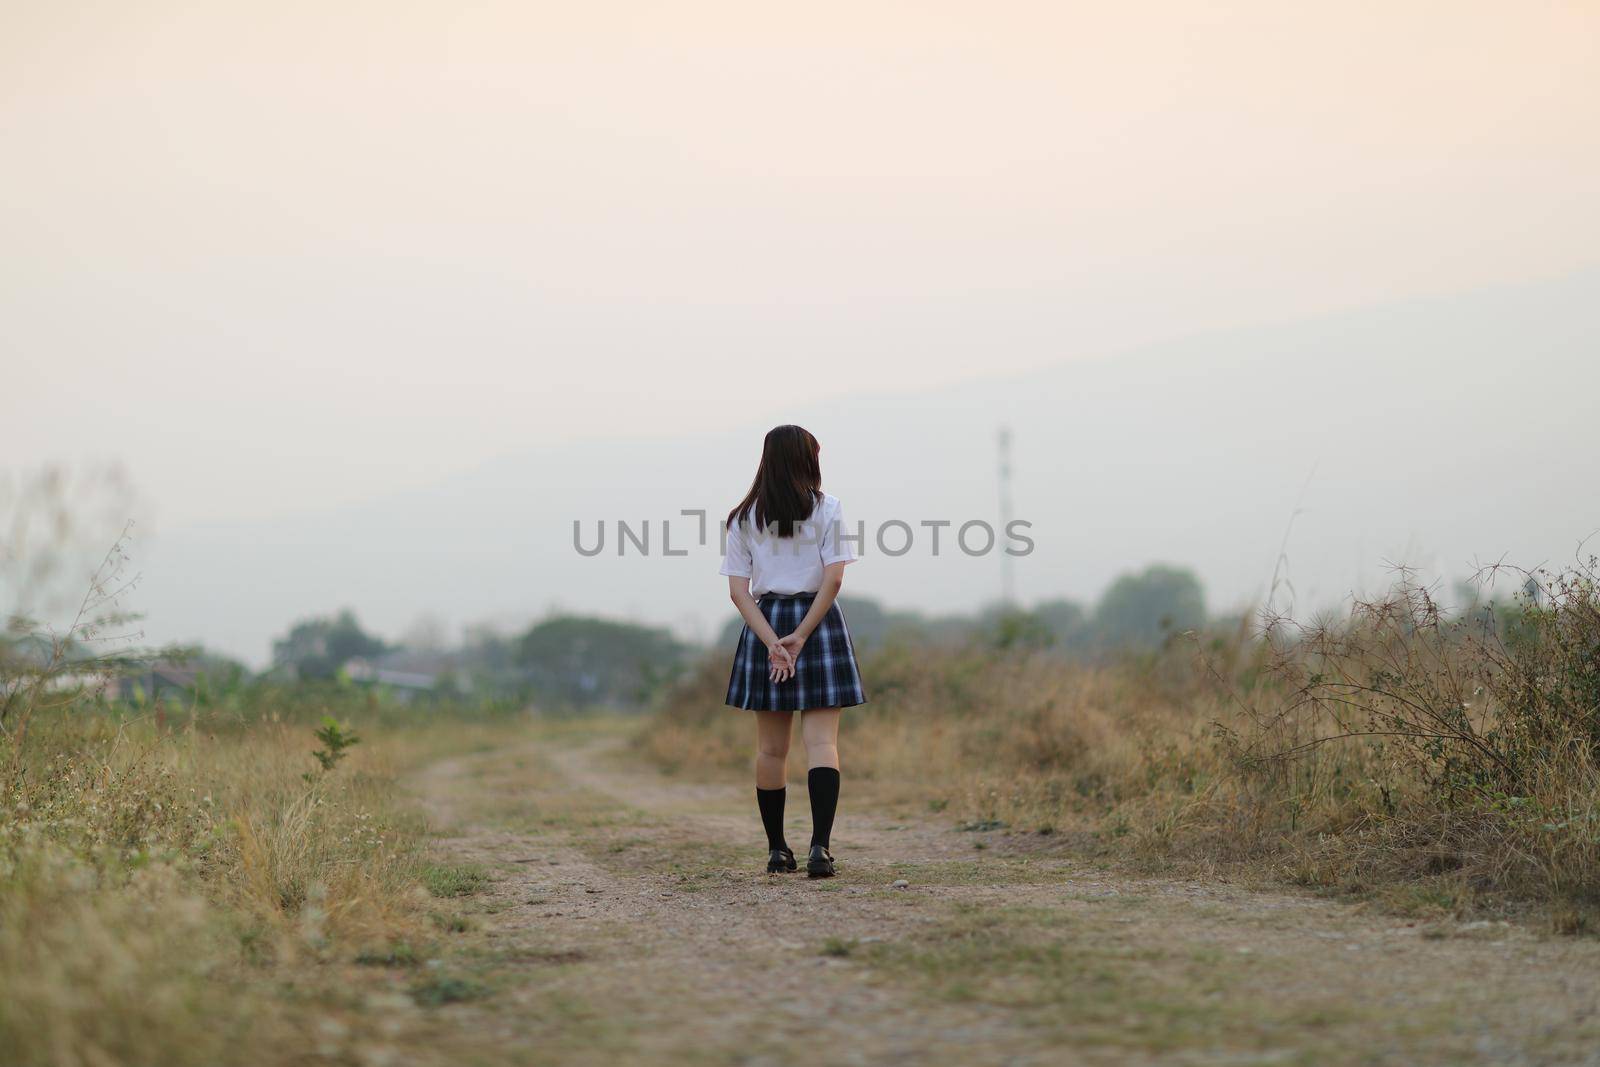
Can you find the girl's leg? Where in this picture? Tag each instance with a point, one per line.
(772, 748)
(819, 727)
(772, 772)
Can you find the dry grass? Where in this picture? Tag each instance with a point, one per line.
(1441, 764)
(190, 896)
(1009, 738)
(1461, 755)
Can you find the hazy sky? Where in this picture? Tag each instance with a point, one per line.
(282, 257)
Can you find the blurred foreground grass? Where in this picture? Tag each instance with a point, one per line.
(197, 890)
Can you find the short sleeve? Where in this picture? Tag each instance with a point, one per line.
(838, 541)
(736, 561)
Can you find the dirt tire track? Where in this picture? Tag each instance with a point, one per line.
(726, 966)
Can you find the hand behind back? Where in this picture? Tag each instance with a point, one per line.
(781, 660)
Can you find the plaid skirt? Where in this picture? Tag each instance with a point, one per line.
(826, 675)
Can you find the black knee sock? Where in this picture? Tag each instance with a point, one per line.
(823, 783)
(770, 801)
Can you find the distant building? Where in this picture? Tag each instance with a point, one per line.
(405, 672)
(156, 679)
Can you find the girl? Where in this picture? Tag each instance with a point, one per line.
(785, 563)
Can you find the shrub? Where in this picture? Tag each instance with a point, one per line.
(1434, 744)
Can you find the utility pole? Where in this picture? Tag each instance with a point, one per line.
(1008, 592)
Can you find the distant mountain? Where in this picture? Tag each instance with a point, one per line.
(1434, 432)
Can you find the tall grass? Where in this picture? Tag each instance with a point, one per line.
(1400, 750)
(159, 885)
(1010, 735)
(1409, 744)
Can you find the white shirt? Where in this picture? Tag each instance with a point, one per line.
(789, 565)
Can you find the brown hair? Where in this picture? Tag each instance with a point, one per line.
(788, 482)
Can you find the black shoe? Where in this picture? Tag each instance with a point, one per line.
(781, 861)
(820, 863)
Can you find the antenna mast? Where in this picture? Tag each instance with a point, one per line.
(1007, 563)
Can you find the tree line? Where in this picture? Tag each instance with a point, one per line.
(574, 660)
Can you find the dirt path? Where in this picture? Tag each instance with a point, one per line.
(627, 921)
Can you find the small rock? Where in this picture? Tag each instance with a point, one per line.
(900, 883)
